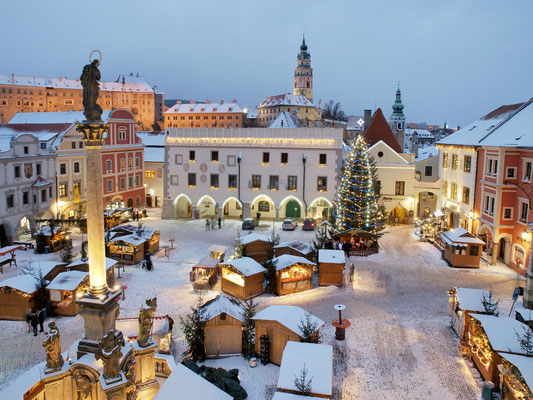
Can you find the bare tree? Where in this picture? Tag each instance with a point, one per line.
(332, 110)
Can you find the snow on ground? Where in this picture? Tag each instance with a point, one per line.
(399, 345)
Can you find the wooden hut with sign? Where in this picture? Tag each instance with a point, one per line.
(53, 241)
(256, 246)
(224, 326)
(281, 324)
(64, 289)
(461, 248)
(462, 303)
(517, 377)
(294, 248)
(293, 274)
(204, 274)
(242, 277)
(362, 243)
(331, 267)
(127, 249)
(83, 265)
(489, 336)
(151, 236)
(17, 295)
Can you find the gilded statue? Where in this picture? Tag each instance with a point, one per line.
(83, 386)
(89, 79)
(145, 322)
(109, 352)
(52, 345)
(129, 371)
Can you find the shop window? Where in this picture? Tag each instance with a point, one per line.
(474, 250)
(263, 206)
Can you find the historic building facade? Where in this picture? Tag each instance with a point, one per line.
(36, 94)
(205, 115)
(154, 165)
(234, 173)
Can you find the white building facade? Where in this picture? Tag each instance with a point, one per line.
(234, 173)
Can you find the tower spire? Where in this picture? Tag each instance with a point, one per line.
(303, 74)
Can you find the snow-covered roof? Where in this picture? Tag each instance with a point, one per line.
(290, 396)
(45, 230)
(109, 262)
(297, 245)
(198, 108)
(355, 123)
(422, 133)
(69, 280)
(285, 120)
(459, 236)
(501, 332)
(223, 304)
(286, 100)
(524, 365)
(331, 256)
(207, 262)
(24, 283)
(56, 117)
(154, 154)
(217, 248)
(288, 316)
(470, 299)
(286, 260)
(317, 359)
(45, 266)
(427, 152)
(254, 237)
(187, 385)
(152, 139)
(130, 239)
(245, 265)
(251, 112)
(39, 182)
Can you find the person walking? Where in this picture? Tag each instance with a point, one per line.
(41, 316)
(28, 319)
(219, 223)
(213, 224)
(207, 224)
(352, 272)
(34, 322)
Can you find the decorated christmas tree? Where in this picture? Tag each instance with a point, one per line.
(356, 204)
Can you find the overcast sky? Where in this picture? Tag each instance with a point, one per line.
(456, 59)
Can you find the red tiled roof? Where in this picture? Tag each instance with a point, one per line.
(60, 127)
(502, 110)
(379, 129)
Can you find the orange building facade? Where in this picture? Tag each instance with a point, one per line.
(205, 115)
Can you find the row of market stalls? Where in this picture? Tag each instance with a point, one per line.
(500, 347)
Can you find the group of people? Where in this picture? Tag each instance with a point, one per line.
(346, 246)
(212, 223)
(34, 319)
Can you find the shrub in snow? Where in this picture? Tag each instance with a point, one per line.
(248, 334)
(67, 255)
(490, 304)
(303, 383)
(526, 339)
(193, 326)
(308, 327)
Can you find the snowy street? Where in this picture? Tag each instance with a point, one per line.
(399, 345)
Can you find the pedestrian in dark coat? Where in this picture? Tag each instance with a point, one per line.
(34, 322)
(219, 222)
(41, 315)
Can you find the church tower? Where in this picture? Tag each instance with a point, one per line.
(303, 74)
(397, 118)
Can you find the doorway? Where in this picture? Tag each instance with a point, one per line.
(293, 209)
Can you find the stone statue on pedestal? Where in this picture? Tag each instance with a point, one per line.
(89, 79)
(129, 371)
(52, 345)
(145, 322)
(110, 354)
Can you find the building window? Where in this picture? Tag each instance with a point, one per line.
(109, 184)
(428, 170)
(232, 181)
(322, 159)
(256, 182)
(16, 171)
(62, 169)
(474, 250)
(467, 163)
(292, 182)
(263, 206)
(76, 167)
(10, 201)
(122, 164)
(466, 195)
(108, 165)
(266, 158)
(284, 158)
(137, 180)
(26, 149)
(43, 145)
(455, 161)
(489, 205)
(445, 160)
(174, 180)
(122, 134)
(273, 182)
(43, 195)
(73, 145)
(192, 180)
(492, 168)
(214, 181)
(322, 184)
(377, 188)
(147, 173)
(130, 181)
(399, 188)
(214, 156)
(507, 213)
(528, 168)
(453, 193)
(524, 208)
(123, 183)
(444, 188)
(511, 173)
(178, 159)
(137, 162)
(25, 197)
(130, 162)
(192, 156)
(63, 190)
(232, 161)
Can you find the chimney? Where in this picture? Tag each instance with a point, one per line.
(178, 101)
(282, 123)
(207, 101)
(221, 102)
(414, 146)
(234, 101)
(193, 101)
(399, 137)
(367, 117)
(13, 79)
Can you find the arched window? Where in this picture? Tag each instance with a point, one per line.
(308, 84)
(264, 206)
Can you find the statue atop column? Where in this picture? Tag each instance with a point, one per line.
(110, 354)
(145, 322)
(90, 78)
(52, 345)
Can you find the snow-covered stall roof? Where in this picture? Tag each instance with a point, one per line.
(186, 385)
(286, 260)
(317, 359)
(207, 262)
(288, 316)
(109, 262)
(130, 239)
(223, 304)
(217, 248)
(331, 256)
(524, 365)
(45, 267)
(245, 265)
(68, 280)
(254, 237)
(47, 231)
(290, 396)
(501, 332)
(470, 299)
(459, 236)
(24, 283)
(297, 245)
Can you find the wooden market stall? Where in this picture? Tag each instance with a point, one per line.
(127, 249)
(217, 251)
(461, 248)
(204, 274)
(224, 326)
(48, 269)
(151, 236)
(242, 277)
(517, 377)
(256, 246)
(462, 303)
(17, 295)
(487, 337)
(64, 289)
(295, 248)
(293, 274)
(318, 360)
(83, 265)
(279, 324)
(8, 256)
(363, 243)
(52, 241)
(331, 267)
